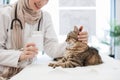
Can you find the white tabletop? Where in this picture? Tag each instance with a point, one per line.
(39, 70)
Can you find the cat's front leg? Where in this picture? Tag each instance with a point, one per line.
(54, 65)
(62, 64)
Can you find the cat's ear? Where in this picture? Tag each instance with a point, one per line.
(76, 29)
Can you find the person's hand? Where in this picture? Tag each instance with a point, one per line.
(29, 52)
(83, 35)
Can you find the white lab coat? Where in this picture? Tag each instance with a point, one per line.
(10, 57)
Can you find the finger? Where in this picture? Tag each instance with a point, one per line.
(82, 36)
(29, 56)
(83, 39)
(31, 48)
(29, 53)
(83, 33)
(81, 28)
(30, 44)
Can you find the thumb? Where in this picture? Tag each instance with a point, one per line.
(81, 28)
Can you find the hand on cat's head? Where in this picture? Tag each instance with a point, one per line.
(77, 35)
(82, 35)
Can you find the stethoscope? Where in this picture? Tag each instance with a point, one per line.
(16, 19)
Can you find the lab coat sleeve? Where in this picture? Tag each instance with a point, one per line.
(7, 57)
(52, 47)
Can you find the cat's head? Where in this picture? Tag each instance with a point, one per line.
(72, 36)
(73, 42)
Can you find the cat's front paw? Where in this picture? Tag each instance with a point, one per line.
(54, 65)
(51, 64)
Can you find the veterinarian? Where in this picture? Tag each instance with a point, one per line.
(17, 22)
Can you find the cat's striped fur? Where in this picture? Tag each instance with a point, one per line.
(77, 53)
(9, 72)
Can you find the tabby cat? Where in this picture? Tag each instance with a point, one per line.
(77, 53)
(9, 72)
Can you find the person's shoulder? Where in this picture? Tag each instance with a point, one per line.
(5, 10)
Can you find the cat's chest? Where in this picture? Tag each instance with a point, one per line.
(67, 53)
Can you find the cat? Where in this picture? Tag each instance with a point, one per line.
(9, 72)
(77, 53)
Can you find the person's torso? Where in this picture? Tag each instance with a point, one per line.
(28, 29)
